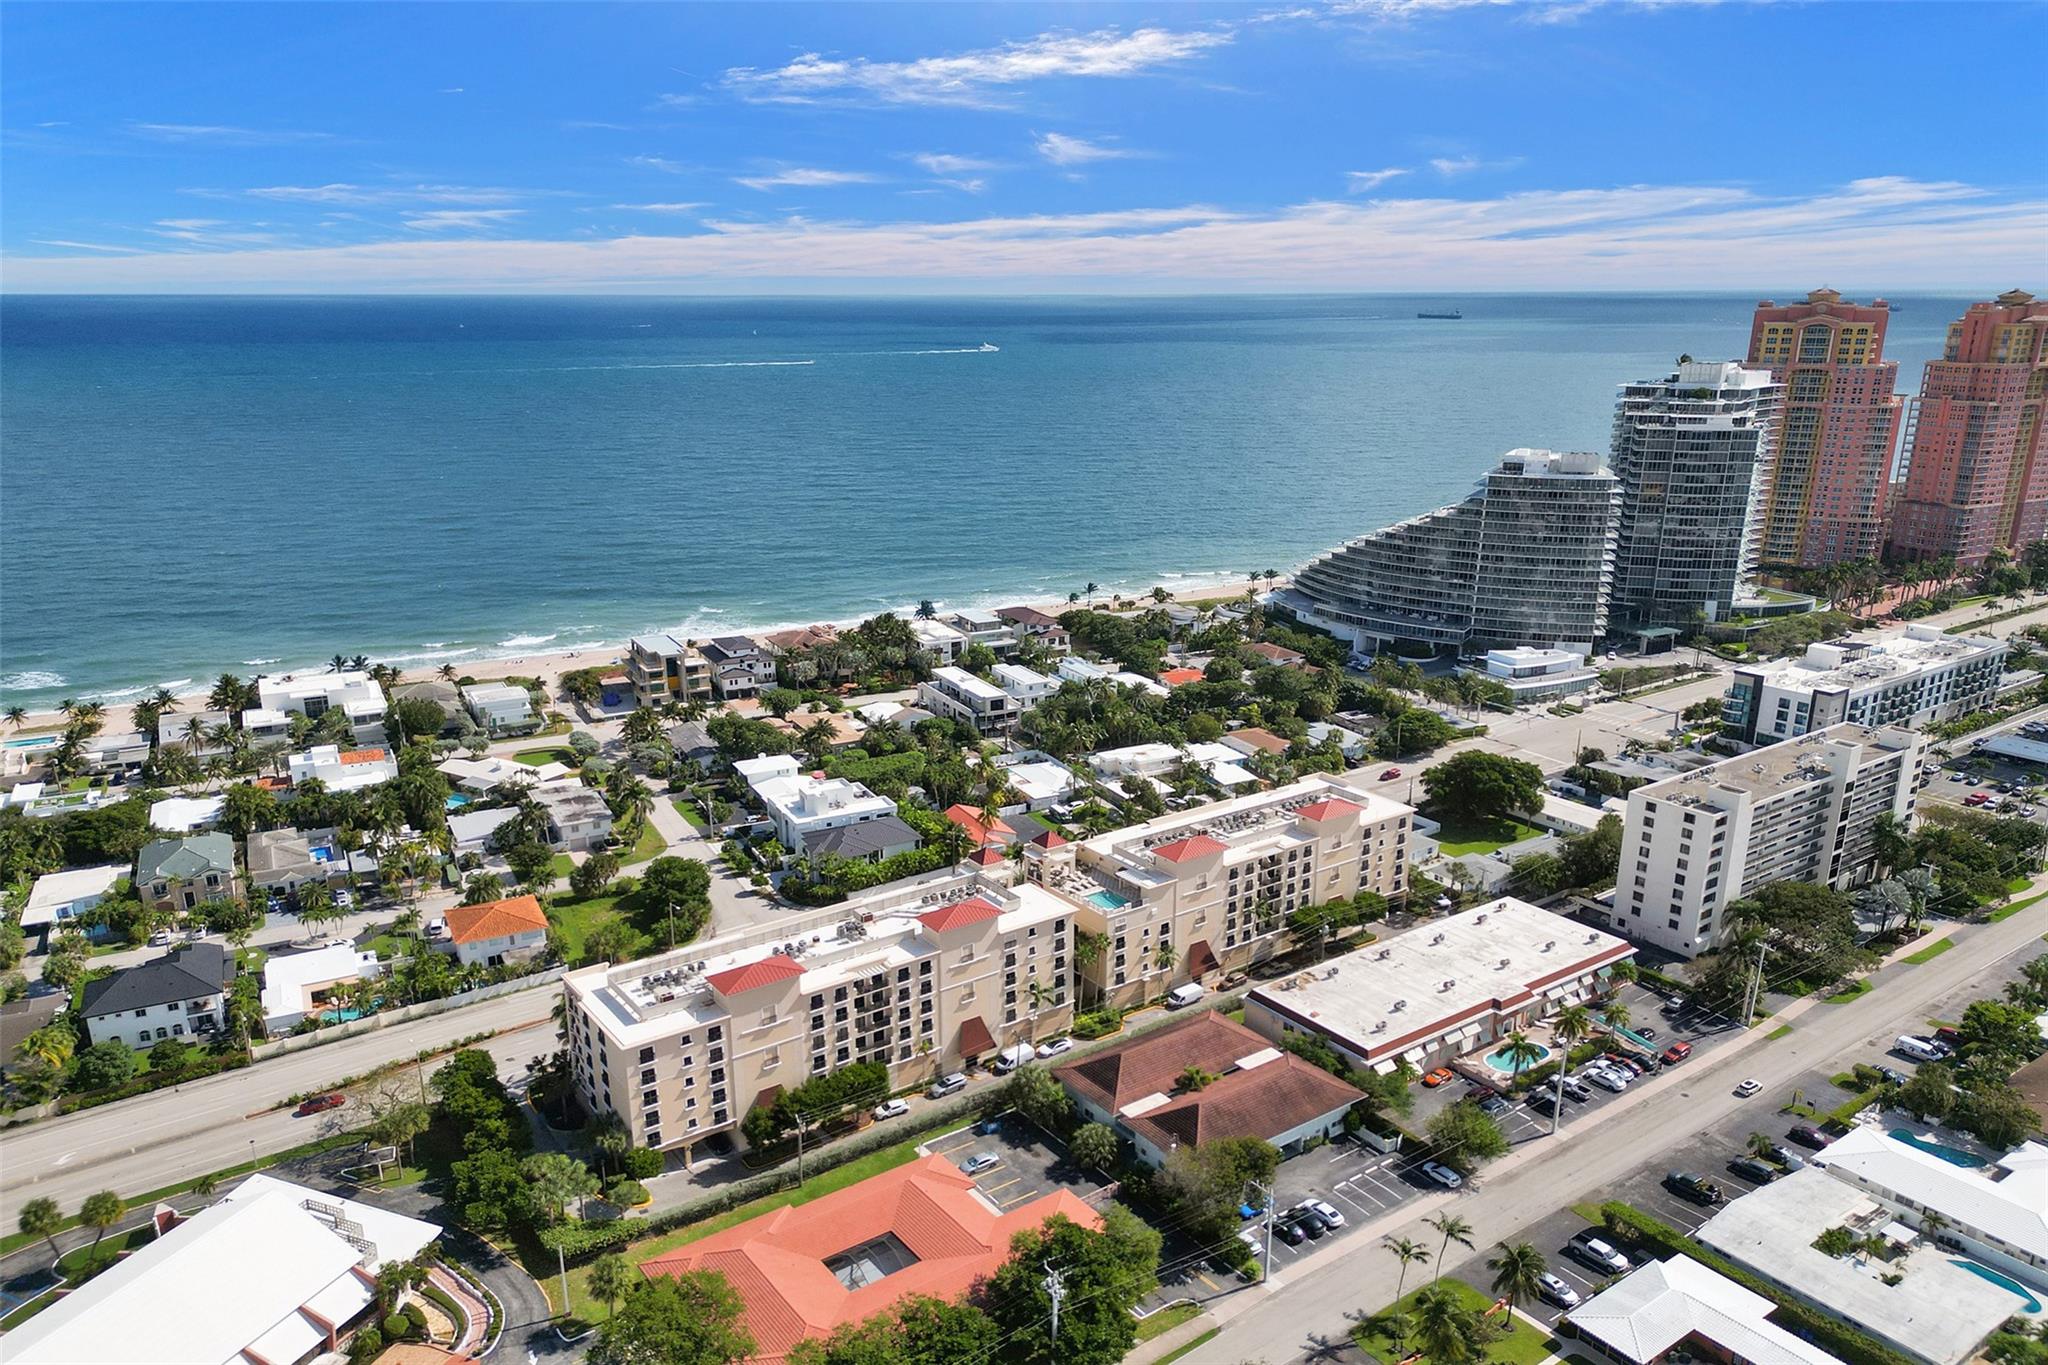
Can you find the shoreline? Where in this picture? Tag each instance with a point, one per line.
(551, 665)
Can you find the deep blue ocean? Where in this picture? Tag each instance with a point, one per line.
(191, 485)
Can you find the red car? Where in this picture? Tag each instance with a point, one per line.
(1390, 774)
(1438, 1077)
(320, 1104)
(1677, 1053)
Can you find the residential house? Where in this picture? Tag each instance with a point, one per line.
(124, 752)
(868, 840)
(800, 804)
(470, 831)
(1181, 677)
(497, 932)
(263, 726)
(299, 984)
(693, 745)
(195, 731)
(501, 708)
(941, 641)
(980, 832)
(1252, 741)
(1222, 764)
(313, 695)
(1666, 1308)
(985, 628)
(58, 898)
(1038, 779)
(284, 860)
(179, 874)
(182, 994)
(483, 775)
(959, 695)
(1027, 686)
(183, 814)
(1029, 623)
(1278, 654)
(662, 668)
(341, 770)
(578, 817)
(740, 667)
(442, 694)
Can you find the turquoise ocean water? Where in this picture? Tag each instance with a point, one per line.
(196, 485)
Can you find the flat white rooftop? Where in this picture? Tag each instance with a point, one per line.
(1784, 766)
(1873, 660)
(181, 814)
(54, 889)
(1404, 993)
(968, 684)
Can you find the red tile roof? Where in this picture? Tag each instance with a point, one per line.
(753, 975)
(363, 756)
(1329, 807)
(985, 857)
(958, 915)
(1049, 839)
(969, 819)
(1279, 654)
(1178, 677)
(1195, 846)
(496, 919)
(776, 1263)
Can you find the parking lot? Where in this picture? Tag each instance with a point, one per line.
(1028, 1163)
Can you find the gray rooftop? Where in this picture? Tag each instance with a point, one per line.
(860, 840)
(182, 974)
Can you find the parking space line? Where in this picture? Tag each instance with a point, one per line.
(991, 1189)
(1019, 1198)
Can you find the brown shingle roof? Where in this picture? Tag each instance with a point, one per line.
(495, 919)
(1261, 1101)
(1264, 740)
(1148, 1065)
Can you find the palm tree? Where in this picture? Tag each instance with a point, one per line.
(1446, 1330)
(1521, 1052)
(1615, 1014)
(1165, 956)
(1407, 1252)
(52, 1045)
(339, 663)
(447, 672)
(1761, 1144)
(41, 1218)
(926, 610)
(1091, 590)
(1454, 1229)
(206, 1184)
(100, 1212)
(1516, 1271)
(17, 716)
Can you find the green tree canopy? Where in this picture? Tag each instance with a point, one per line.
(1104, 1274)
(1483, 786)
(688, 1319)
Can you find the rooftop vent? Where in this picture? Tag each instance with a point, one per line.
(1450, 983)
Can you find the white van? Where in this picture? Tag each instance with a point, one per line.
(1180, 996)
(1919, 1049)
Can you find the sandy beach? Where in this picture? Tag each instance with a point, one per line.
(549, 668)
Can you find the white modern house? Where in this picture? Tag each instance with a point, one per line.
(1531, 674)
(480, 775)
(263, 725)
(1224, 765)
(58, 898)
(801, 804)
(183, 814)
(1039, 779)
(1677, 1304)
(500, 708)
(341, 770)
(941, 641)
(984, 628)
(274, 1272)
(286, 859)
(298, 984)
(313, 695)
(470, 831)
(1997, 1214)
(124, 752)
(959, 695)
(1026, 686)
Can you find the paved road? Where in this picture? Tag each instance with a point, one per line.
(171, 1135)
(1306, 1316)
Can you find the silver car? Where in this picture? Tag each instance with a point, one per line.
(979, 1162)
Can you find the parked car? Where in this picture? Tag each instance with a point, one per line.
(1597, 1252)
(1553, 1290)
(1252, 1240)
(1327, 1212)
(1648, 1032)
(1431, 1080)
(1671, 1009)
(891, 1109)
(1475, 1091)
(1493, 1106)
(343, 898)
(1182, 996)
(979, 1162)
(320, 1104)
(1785, 1157)
(1289, 1231)
(949, 1084)
(1633, 1065)
(1754, 1171)
(1806, 1135)
(1892, 1075)
(1697, 1188)
(1676, 1053)
(1748, 1088)
(1249, 1210)
(1607, 1078)
(1575, 1089)
(1542, 1100)
(1309, 1222)
(1055, 1047)
(1442, 1174)
(1918, 1048)
(990, 1126)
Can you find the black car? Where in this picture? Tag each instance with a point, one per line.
(1806, 1135)
(1542, 1101)
(1698, 1189)
(1309, 1222)
(1493, 1106)
(1892, 1076)
(1289, 1231)
(1754, 1171)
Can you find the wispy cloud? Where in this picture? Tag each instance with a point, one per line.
(943, 163)
(460, 220)
(362, 196)
(91, 246)
(1358, 182)
(984, 77)
(223, 135)
(805, 177)
(659, 208)
(1062, 150)
(1449, 166)
(657, 163)
(212, 232)
(677, 101)
(1917, 234)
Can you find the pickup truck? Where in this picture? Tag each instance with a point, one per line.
(1697, 1188)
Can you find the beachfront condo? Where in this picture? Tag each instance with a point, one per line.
(1189, 897)
(924, 976)
(1693, 451)
(1522, 560)
(662, 668)
(1976, 469)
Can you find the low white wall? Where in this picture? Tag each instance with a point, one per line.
(298, 1042)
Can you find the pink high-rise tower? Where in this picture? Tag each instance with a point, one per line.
(1977, 467)
(1825, 497)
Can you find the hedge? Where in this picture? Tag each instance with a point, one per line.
(154, 1080)
(1537, 1075)
(443, 1301)
(1838, 1338)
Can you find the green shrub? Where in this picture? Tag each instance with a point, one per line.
(627, 1193)
(396, 1326)
(1098, 1023)
(643, 1163)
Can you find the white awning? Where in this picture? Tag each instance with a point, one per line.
(1415, 1054)
(288, 1340)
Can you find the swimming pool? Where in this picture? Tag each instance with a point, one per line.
(1501, 1062)
(456, 801)
(1954, 1156)
(1107, 900)
(1985, 1272)
(33, 742)
(321, 854)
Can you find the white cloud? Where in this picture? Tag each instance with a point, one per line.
(660, 208)
(975, 78)
(676, 101)
(91, 246)
(1911, 234)
(1358, 182)
(805, 177)
(657, 163)
(942, 163)
(458, 220)
(1062, 150)
(1454, 165)
(370, 195)
(222, 134)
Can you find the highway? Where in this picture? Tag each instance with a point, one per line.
(167, 1136)
(1307, 1315)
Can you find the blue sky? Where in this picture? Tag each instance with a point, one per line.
(1301, 144)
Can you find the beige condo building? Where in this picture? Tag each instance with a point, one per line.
(1190, 896)
(926, 976)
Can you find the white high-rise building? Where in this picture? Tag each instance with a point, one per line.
(1523, 560)
(1693, 451)
(1906, 677)
(1800, 811)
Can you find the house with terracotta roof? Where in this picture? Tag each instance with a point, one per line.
(1278, 654)
(1180, 677)
(1029, 623)
(1195, 894)
(497, 932)
(341, 770)
(926, 975)
(980, 831)
(1251, 740)
(1258, 1091)
(921, 1229)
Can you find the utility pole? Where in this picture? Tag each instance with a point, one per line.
(1756, 983)
(1564, 1056)
(1268, 1193)
(1057, 1288)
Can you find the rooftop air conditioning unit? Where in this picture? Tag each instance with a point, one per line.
(1398, 1005)
(1449, 983)
(1503, 965)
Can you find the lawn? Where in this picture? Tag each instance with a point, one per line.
(534, 758)
(2006, 912)
(561, 866)
(575, 917)
(838, 1178)
(1522, 1345)
(1166, 1319)
(690, 811)
(649, 845)
(1855, 990)
(1459, 837)
(1930, 952)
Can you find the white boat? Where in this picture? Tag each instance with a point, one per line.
(986, 347)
